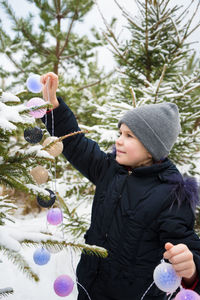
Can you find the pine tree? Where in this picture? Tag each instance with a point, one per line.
(153, 67)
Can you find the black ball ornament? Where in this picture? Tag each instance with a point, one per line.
(47, 203)
(33, 135)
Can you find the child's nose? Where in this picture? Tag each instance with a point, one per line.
(119, 140)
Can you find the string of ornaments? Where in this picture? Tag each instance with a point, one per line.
(63, 285)
(164, 274)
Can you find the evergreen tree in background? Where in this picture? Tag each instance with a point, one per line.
(155, 65)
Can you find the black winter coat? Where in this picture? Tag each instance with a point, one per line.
(133, 215)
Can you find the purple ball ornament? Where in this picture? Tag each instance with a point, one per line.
(166, 278)
(33, 83)
(41, 256)
(63, 285)
(187, 295)
(47, 203)
(34, 102)
(55, 216)
(33, 135)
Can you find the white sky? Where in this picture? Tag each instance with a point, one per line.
(109, 9)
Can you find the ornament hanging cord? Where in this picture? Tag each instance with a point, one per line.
(52, 129)
(52, 133)
(72, 264)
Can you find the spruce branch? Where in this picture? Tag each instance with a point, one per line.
(192, 89)
(96, 82)
(20, 262)
(114, 47)
(68, 34)
(106, 24)
(24, 29)
(62, 138)
(6, 292)
(35, 108)
(133, 96)
(159, 82)
(186, 34)
(194, 79)
(128, 16)
(148, 68)
(176, 29)
(88, 249)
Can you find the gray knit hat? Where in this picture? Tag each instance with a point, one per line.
(157, 126)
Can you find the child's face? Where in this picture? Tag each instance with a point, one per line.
(130, 151)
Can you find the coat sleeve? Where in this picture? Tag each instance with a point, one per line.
(84, 154)
(176, 225)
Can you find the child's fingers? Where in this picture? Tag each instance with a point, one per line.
(172, 250)
(52, 77)
(168, 246)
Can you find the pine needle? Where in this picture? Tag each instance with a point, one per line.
(60, 245)
(6, 292)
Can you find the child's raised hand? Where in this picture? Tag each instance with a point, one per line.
(50, 85)
(182, 260)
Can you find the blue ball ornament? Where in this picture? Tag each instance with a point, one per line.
(33, 83)
(41, 256)
(166, 278)
(33, 135)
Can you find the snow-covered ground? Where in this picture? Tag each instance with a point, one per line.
(63, 262)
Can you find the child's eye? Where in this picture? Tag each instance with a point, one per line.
(129, 135)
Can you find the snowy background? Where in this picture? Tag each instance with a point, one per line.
(65, 261)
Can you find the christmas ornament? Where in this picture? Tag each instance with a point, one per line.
(34, 102)
(41, 256)
(187, 295)
(39, 174)
(42, 202)
(63, 285)
(55, 216)
(33, 135)
(55, 149)
(166, 278)
(33, 83)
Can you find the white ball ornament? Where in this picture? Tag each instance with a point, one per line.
(33, 83)
(55, 149)
(166, 278)
(39, 174)
(33, 103)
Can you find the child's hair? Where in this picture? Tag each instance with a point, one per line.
(157, 126)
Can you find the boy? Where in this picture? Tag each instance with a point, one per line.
(136, 214)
